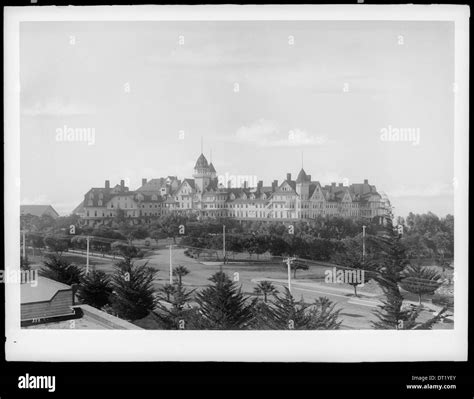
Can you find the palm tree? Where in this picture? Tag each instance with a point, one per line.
(265, 288)
(168, 290)
(180, 271)
(420, 280)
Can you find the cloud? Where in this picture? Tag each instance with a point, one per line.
(38, 200)
(266, 133)
(428, 191)
(56, 107)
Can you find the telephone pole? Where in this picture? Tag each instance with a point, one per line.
(363, 243)
(223, 241)
(171, 266)
(288, 263)
(24, 244)
(87, 256)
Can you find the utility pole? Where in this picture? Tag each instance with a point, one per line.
(288, 263)
(171, 266)
(87, 256)
(363, 243)
(24, 244)
(223, 241)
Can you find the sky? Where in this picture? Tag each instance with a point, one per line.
(265, 97)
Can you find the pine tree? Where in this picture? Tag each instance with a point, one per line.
(133, 293)
(95, 289)
(178, 314)
(59, 269)
(285, 313)
(262, 318)
(393, 262)
(223, 306)
(323, 316)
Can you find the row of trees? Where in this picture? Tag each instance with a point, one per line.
(428, 236)
(425, 235)
(170, 226)
(129, 294)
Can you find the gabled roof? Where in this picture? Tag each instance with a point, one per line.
(78, 209)
(211, 168)
(190, 182)
(312, 188)
(238, 192)
(38, 210)
(154, 185)
(291, 183)
(147, 197)
(362, 188)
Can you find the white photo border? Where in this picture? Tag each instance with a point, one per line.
(247, 346)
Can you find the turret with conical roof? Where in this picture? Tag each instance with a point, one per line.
(302, 184)
(202, 173)
(302, 176)
(201, 162)
(213, 171)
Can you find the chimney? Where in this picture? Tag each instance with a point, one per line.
(309, 177)
(260, 184)
(107, 184)
(366, 181)
(229, 184)
(74, 290)
(122, 183)
(143, 181)
(288, 176)
(274, 185)
(333, 184)
(340, 184)
(245, 183)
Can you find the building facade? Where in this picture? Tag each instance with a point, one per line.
(208, 197)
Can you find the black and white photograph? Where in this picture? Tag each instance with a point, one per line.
(251, 179)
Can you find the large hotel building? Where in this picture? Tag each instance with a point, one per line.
(206, 196)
